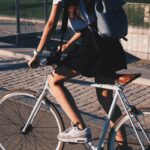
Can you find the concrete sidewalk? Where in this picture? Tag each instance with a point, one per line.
(135, 65)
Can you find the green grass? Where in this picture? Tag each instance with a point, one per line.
(139, 1)
(7, 7)
(135, 15)
(35, 9)
(29, 8)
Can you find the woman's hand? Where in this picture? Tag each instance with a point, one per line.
(34, 62)
(64, 47)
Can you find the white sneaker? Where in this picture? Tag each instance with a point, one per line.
(75, 135)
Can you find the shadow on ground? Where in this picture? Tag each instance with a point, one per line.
(13, 66)
(131, 58)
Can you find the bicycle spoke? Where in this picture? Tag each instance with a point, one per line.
(35, 141)
(132, 140)
(4, 114)
(43, 135)
(13, 109)
(40, 142)
(8, 139)
(14, 112)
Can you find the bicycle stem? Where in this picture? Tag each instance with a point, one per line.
(35, 108)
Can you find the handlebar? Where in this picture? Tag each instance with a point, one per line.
(53, 58)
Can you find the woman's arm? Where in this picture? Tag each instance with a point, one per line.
(48, 27)
(34, 61)
(71, 41)
(74, 38)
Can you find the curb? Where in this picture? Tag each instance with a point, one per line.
(142, 81)
(145, 77)
(14, 54)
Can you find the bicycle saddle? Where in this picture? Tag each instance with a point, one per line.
(124, 79)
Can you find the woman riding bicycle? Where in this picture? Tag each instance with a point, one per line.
(100, 61)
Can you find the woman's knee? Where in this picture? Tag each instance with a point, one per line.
(103, 93)
(53, 80)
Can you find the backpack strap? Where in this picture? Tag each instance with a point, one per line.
(86, 14)
(65, 4)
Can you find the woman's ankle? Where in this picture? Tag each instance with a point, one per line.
(79, 125)
(123, 146)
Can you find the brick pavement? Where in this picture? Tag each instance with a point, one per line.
(14, 73)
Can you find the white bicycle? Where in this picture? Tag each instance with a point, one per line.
(30, 121)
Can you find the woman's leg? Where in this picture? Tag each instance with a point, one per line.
(105, 98)
(63, 96)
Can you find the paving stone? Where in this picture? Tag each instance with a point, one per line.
(85, 97)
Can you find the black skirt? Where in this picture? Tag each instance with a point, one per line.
(105, 58)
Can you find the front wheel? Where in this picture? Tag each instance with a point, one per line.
(15, 108)
(131, 140)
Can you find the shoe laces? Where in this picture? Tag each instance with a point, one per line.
(67, 130)
(75, 126)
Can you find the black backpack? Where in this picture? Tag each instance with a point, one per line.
(111, 18)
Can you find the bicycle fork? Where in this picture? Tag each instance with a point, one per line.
(1, 146)
(35, 108)
(125, 102)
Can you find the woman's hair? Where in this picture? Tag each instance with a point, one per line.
(73, 2)
(89, 6)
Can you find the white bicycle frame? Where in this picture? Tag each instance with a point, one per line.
(118, 92)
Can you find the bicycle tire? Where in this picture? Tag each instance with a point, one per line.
(132, 141)
(15, 107)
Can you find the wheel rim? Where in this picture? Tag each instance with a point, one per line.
(132, 140)
(13, 115)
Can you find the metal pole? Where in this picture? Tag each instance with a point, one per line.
(17, 21)
(46, 10)
(149, 34)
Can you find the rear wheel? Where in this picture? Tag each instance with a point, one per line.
(132, 141)
(15, 108)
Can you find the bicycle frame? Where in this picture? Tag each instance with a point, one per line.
(36, 106)
(118, 92)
